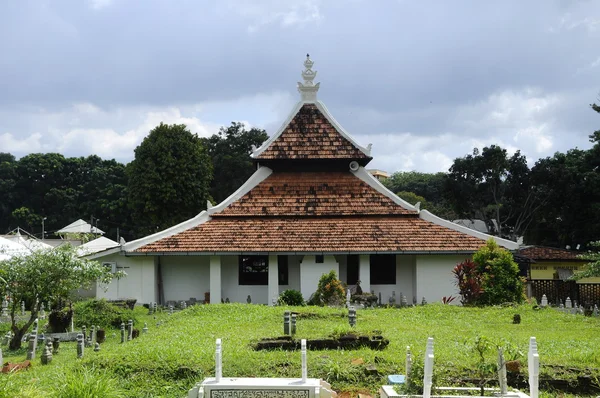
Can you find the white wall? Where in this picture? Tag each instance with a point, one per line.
(232, 290)
(185, 277)
(434, 277)
(405, 269)
(310, 273)
(139, 283)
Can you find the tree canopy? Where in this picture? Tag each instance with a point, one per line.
(229, 151)
(169, 178)
(45, 276)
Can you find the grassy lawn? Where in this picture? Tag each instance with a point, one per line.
(168, 360)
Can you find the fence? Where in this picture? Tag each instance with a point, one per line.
(557, 290)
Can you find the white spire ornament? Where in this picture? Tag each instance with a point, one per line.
(308, 89)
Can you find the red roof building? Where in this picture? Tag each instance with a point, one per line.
(310, 207)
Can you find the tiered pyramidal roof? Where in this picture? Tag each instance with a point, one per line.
(311, 194)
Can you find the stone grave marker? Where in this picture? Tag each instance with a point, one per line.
(293, 324)
(145, 329)
(428, 369)
(170, 310)
(286, 323)
(544, 302)
(595, 310)
(4, 308)
(122, 332)
(47, 354)
(533, 363)
(218, 362)
(55, 345)
(42, 311)
(22, 308)
(155, 307)
(249, 299)
(31, 347)
(96, 347)
(352, 316)
(151, 308)
(348, 296)
(380, 302)
(408, 365)
(130, 330)
(423, 302)
(502, 382)
(80, 345)
(403, 302)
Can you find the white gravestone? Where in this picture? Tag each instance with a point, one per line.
(533, 363)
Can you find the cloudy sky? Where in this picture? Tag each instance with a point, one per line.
(424, 81)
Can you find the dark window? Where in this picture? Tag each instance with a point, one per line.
(352, 269)
(383, 269)
(319, 259)
(282, 266)
(254, 270)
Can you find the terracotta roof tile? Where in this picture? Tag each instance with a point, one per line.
(310, 136)
(313, 193)
(548, 253)
(341, 234)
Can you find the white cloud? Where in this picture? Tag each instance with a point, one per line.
(99, 4)
(284, 13)
(12, 144)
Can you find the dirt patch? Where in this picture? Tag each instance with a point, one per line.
(349, 341)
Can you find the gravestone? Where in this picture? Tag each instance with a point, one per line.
(42, 311)
(380, 302)
(408, 365)
(96, 347)
(170, 310)
(533, 363)
(293, 324)
(304, 367)
(47, 354)
(6, 338)
(595, 310)
(403, 302)
(41, 339)
(155, 307)
(352, 316)
(80, 345)
(151, 308)
(22, 308)
(393, 298)
(55, 345)
(31, 347)
(428, 369)
(249, 299)
(502, 383)
(286, 323)
(122, 332)
(4, 308)
(130, 330)
(218, 362)
(544, 302)
(145, 329)
(423, 302)
(84, 331)
(348, 296)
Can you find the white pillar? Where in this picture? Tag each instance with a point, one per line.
(273, 279)
(215, 279)
(364, 272)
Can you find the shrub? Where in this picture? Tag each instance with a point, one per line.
(500, 279)
(290, 297)
(330, 291)
(101, 313)
(468, 282)
(59, 321)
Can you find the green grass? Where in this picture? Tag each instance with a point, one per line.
(172, 357)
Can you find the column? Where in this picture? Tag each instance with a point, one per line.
(364, 272)
(273, 279)
(215, 279)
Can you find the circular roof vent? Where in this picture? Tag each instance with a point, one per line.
(354, 165)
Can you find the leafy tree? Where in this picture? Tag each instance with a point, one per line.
(592, 268)
(330, 290)
(46, 275)
(493, 187)
(439, 210)
(500, 281)
(169, 178)
(426, 185)
(230, 151)
(8, 177)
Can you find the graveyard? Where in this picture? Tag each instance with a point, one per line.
(174, 351)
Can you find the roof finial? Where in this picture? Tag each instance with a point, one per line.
(308, 89)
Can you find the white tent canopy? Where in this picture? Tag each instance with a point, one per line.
(30, 244)
(9, 248)
(80, 227)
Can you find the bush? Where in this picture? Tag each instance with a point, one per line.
(290, 297)
(101, 313)
(468, 282)
(500, 279)
(330, 291)
(59, 321)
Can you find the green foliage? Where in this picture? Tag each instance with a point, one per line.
(101, 313)
(330, 291)
(468, 281)
(86, 382)
(229, 151)
(169, 178)
(290, 297)
(59, 321)
(592, 269)
(46, 276)
(500, 281)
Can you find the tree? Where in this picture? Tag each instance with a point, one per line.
(8, 177)
(230, 151)
(592, 269)
(169, 179)
(500, 281)
(493, 187)
(45, 276)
